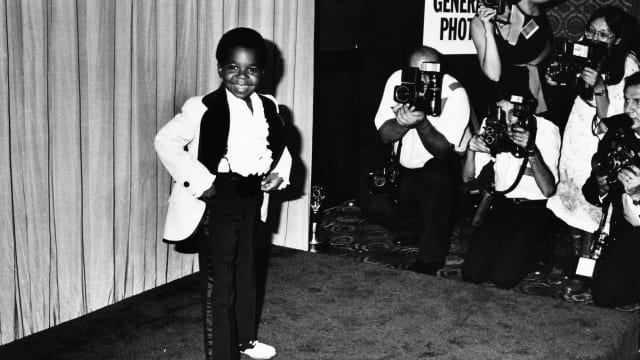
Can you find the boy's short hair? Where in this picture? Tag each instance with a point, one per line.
(632, 80)
(242, 37)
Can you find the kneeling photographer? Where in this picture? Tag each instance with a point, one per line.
(424, 112)
(520, 153)
(513, 39)
(615, 183)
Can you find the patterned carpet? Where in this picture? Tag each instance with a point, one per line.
(344, 232)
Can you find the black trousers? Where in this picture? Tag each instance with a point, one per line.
(504, 247)
(430, 195)
(616, 278)
(227, 266)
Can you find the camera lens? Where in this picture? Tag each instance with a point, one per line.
(402, 94)
(379, 181)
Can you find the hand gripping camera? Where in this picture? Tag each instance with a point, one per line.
(421, 88)
(496, 128)
(571, 58)
(622, 152)
(498, 5)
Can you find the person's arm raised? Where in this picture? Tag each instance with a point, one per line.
(483, 37)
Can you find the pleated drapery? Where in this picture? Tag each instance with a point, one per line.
(84, 87)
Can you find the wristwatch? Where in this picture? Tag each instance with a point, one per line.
(603, 92)
(531, 150)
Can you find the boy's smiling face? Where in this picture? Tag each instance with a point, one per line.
(240, 72)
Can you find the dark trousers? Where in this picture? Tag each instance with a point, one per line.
(431, 192)
(227, 269)
(504, 247)
(616, 278)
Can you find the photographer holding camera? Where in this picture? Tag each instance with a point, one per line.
(513, 39)
(425, 135)
(612, 26)
(616, 278)
(524, 174)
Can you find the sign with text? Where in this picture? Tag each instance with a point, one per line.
(447, 25)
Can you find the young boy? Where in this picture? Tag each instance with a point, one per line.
(223, 151)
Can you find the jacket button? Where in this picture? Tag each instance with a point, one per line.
(186, 184)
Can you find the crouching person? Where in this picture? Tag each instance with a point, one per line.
(521, 152)
(616, 277)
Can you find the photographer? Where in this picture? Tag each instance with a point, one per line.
(503, 248)
(429, 172)
(616, 278)
(513, 45)
(612, 26)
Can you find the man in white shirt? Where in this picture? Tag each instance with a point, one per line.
(616, 278)
(503, 249)
(429, 174)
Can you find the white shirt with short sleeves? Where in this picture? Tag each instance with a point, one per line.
(451, 123)
(507, 166)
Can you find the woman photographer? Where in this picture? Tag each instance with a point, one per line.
(610, 25)
(513, 45)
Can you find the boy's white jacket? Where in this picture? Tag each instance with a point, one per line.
(190, 177)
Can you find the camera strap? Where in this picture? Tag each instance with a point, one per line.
(521, 172)
(586, 264)
(396, 152)
(533, 130)
(396, 164)
(489, 194)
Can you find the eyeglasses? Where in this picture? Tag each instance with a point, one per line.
(603, 36)
(635, 102)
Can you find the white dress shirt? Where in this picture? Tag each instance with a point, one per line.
(451, 123)
(507, 166)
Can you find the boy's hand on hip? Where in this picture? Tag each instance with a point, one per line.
(209, 193)
(271, 182)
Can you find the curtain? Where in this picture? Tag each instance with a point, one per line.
(635, 10)
(85, 86)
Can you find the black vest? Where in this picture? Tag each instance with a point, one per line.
(214, 129)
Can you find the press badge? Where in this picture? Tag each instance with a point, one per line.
(529, 29)
(586, 266)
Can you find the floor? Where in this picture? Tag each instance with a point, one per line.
(343, 231)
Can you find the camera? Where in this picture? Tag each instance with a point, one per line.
(571, 57)
(421, 88)
(622, 152)
(387, 179)
(496, 128)
(498, 5)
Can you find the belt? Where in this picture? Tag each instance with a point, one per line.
(238, 185)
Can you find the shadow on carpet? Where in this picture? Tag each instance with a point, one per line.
(321, 307)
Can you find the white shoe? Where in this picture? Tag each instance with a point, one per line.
(259, 351)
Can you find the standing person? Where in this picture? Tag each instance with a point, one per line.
(616, 278)
(429, 172)
(513, 46)
(610, 25)
(503, 248)
(223, 151)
